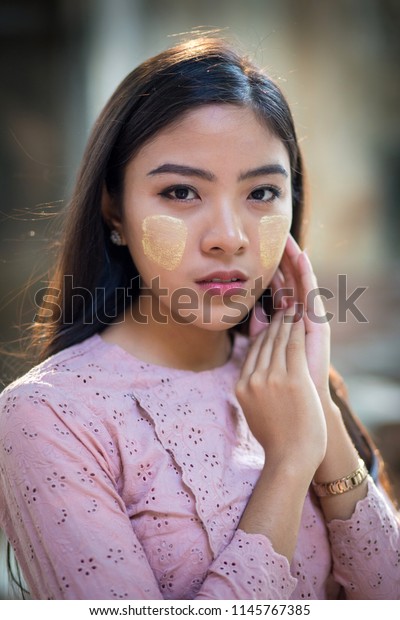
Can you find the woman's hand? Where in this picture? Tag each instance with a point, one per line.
(284, 413)
(340, 458)
(296, 276)
(279, 398)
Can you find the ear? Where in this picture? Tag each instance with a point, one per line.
(111, 213)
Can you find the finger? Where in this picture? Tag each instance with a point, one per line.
(296, 359)
(291, 289)
(252, 357)
(252, 354)
(302, 279)
(272, 355)
(292, 248)
(314, 306)
(277, 285)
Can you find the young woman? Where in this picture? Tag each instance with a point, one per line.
(175, 443)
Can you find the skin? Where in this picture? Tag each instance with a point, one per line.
(221, 211)
(273, 231)
(164, 240)
(283, 387)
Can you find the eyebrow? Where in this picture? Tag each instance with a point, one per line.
(189, 171)
(263, 171)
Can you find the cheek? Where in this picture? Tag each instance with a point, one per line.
(273, 231)
(164, 240)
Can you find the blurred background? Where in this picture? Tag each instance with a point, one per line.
(337, 62)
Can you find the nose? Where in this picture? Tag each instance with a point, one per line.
(225, 232)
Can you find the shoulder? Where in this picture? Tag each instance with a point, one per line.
(75, 382)
(76, 403)
(72, 368)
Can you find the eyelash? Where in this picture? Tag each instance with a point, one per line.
(275, 191)
(166, 193)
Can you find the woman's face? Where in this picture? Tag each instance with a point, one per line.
(206, 211)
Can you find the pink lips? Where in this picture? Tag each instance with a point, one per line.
(223, 282)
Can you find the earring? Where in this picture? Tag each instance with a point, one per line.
(115, 237)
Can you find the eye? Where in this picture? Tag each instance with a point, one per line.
(179, 192)
(267, 193)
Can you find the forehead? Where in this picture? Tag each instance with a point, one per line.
(221, 135)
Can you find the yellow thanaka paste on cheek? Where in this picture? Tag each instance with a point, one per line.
(164, 240)
(273, 232)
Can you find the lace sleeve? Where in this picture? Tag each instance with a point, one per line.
(366, 549)
(249, 568)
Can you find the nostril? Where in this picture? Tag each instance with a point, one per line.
(225, 237)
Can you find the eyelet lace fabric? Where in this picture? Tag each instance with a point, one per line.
(125, 480)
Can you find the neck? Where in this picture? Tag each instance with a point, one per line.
(172, 344)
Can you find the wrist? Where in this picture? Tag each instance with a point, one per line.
(341, 456)
(287, 472)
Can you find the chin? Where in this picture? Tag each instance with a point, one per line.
(214, 321)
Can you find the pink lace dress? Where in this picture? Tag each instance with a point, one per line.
(125, 480)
